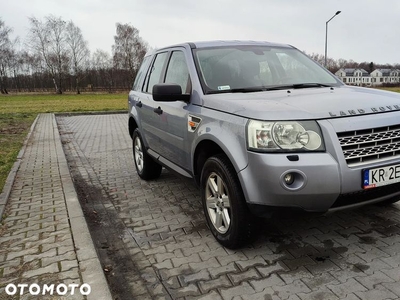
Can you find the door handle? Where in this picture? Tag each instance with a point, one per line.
(139, 104)
(158, 110)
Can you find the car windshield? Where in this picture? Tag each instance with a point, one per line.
(258, 68)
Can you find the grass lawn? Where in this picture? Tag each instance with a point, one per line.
(17, 113)
(392, 89)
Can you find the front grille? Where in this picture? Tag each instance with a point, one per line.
(370, 145)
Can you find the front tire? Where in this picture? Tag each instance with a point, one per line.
(146, 167)
(224, 205)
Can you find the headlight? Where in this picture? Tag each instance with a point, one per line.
(284, 136)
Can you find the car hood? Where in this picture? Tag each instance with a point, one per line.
(307, 103)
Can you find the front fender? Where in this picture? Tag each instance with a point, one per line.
(229, 133)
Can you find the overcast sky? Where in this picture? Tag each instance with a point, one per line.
(366, 30)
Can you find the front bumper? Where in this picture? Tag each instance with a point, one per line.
(317, 183)
(321, 184)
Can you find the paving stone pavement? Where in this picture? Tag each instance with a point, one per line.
(43, 236)
(154, 244)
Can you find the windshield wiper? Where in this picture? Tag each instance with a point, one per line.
(296, 86)
(247, 90)
(239, 90)
(310, 84)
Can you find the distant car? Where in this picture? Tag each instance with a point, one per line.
(260, 125)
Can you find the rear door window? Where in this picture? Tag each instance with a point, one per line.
(156, 71)
(141, 74)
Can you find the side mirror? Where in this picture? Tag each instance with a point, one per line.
(168, 92)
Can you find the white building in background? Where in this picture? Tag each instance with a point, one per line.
(354, 76)
(381, 76)
(361, 77)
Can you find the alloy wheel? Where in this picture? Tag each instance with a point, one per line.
(138, 154)
(218, 204)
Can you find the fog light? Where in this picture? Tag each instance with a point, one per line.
(293, 180)
(288, 178)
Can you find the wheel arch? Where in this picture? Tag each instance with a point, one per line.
(209, 147)
(132, 125)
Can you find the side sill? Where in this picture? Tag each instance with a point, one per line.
(169, 165)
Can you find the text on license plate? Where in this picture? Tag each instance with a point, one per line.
(381, 176)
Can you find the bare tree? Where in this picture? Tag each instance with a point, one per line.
(128, 49)
(351, 64)
(59, 51)
(342, 63)
(103, 65)
(39, 43)
(79, 52)
(31, 68)
(48, 40)
(6, 53)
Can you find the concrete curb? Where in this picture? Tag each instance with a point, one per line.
(111, 112)
(11, 176)
(89, 263)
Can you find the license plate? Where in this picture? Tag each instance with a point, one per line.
(381, 176)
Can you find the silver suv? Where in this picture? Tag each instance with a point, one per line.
(262, 126)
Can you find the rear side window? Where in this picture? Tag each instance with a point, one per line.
(140, 75)
(156, 71)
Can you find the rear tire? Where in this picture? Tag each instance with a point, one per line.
(146, 167)
(224, 205)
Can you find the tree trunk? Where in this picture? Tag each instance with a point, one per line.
(77, 84)
(59, 84)
(55, 85)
